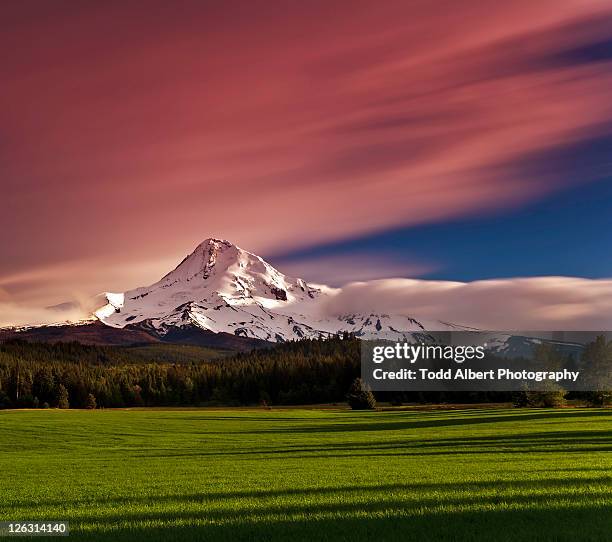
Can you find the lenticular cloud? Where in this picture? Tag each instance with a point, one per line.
(541, 303)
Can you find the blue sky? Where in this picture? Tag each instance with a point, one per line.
(339, 142)
(567, 233)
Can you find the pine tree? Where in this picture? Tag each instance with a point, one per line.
(597, 358)
(360, 397)
(90, 402)
(62, 397)
(548, 394)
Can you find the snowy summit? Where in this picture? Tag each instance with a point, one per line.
(222, 288)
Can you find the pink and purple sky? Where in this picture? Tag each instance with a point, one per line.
(341, 140)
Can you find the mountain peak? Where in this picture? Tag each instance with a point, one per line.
(215, 242)
(203, 259)
(222, 288)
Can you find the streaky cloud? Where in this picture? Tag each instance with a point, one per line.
(537, 303)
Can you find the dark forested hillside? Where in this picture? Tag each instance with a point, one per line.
(97, 333)
(39, 374)
(35, 375)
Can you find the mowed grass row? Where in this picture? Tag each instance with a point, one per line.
(311, 475)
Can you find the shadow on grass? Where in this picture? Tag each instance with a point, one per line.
(536, 442)
(394, 422)
(352, 421)
(449, 491)
(553, 509)
(337, 523)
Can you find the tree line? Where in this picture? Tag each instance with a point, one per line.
(72, 375)
(40, 375)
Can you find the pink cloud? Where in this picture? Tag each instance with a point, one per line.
(132, 134)
(358, 266)
(539, 304)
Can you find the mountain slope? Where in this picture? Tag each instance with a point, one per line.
(91, 333)
(225, 289)
(96, 333)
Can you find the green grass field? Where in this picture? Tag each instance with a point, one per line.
(311, 474)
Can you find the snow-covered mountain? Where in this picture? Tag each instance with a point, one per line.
(223, 288)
